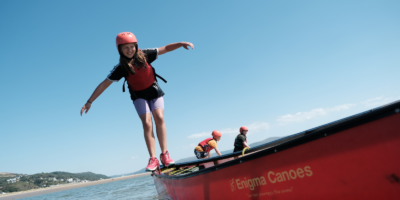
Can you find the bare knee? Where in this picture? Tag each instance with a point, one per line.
(158, 118)
(147, 123)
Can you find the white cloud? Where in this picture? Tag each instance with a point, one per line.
(228, 131)
(254, 127)
(257, 126)
(378, 101)
(340, 108)
(299, 116)
(197, 135)
(303, 116)
(134, 157)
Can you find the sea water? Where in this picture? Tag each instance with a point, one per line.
(135, 188)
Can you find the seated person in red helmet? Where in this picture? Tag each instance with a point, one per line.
(202, 151)
(241, 139)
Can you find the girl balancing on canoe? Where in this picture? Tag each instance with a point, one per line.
(147, 96)
(202, 151)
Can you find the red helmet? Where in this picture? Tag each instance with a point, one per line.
(125, 38)
(243, 128)
(216, 134)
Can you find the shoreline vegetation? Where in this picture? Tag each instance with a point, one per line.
(58, 188)
(12, 182)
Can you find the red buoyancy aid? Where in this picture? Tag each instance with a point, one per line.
(204, 144)
(142, 78)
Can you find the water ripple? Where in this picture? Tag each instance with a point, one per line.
(135, 188)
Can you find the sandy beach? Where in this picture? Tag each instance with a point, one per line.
(29, 193)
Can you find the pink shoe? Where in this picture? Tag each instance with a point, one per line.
(166, 160)
(153, 164)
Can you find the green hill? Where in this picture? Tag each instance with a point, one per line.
(12, 182)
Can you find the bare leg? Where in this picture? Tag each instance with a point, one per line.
(161, 130)
(148, 133)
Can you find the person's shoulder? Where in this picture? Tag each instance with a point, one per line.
(117, 69)
(117, 66)
(241, 136)
(150, 50)
(151, 54)
(212, 143)
(116, 73)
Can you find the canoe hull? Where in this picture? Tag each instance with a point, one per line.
(361, 162)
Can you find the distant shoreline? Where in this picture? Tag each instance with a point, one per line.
(40, 191)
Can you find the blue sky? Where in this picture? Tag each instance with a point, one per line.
(279, 67)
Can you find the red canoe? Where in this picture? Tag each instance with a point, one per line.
(354, 158)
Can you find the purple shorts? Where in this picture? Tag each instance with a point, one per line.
(148, 106)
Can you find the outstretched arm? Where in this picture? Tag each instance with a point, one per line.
(216, 150)
(173, 46)
(245, 144)
(100, 89)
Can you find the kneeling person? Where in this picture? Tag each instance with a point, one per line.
(241, 140)
(202, 151)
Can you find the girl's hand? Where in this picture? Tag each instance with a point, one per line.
(186, 44)
(86, 107)
(173, 46)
